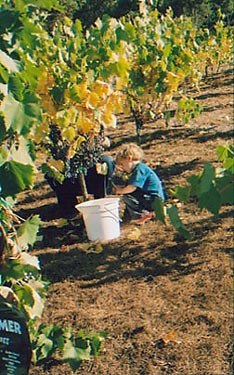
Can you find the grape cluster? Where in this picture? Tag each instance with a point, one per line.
(88, 154)
(57, 146)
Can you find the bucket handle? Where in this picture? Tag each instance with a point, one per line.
(116, 217)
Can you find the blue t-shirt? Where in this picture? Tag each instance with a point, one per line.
(144, 178)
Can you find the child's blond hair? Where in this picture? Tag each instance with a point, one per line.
(130, 151)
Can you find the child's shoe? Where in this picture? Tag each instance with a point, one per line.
(144, 219)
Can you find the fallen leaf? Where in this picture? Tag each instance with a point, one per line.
(62, 223)
(134, 235)
(96, 250)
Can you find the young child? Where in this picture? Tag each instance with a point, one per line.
(143, 184)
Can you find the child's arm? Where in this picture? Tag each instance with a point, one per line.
(124, 190)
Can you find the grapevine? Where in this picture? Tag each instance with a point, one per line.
(58, 147)
(88, 154)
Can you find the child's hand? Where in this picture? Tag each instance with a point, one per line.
(114, 189)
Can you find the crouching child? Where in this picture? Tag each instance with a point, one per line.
(143, 184)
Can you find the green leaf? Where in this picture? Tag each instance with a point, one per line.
(45, 345)
(45, 4)
(74, 364)
(210, 200)
(229, 164)
(74, 356)
(3, 75)
(3, 156)
(24, 293)
(32, 110)
(226, 189)
(176, 222)
(52, 172)
(128, 33)
(158, 207)
(19, 115)
(207, 178)
(15, 177)
(2, 129)
(8, 20)
(27, 232)
(13, 270)
(15, 86)
(194, 183)
(182, 193)
(221, 152)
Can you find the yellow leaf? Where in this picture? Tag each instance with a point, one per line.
(92, 100)
(83, 91)
(48, 106)
(134, 235)
(108, 119)
(58, 164)
(78, 142)
(102, 89)
(62, 223)
(96, 250)
(41, 131)
(85, 125)
(169, 337)
(120, 82)
(69, 133)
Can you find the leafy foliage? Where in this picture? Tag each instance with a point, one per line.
(213, 187)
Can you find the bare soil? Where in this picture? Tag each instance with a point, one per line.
(167, 303)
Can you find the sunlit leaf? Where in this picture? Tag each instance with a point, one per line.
(26, 258)
(70, 352)
(134, 235)
(10, 64)
(108, 119)
(21, 152)
(69, 133)
(92, 100)
(35, 308)
(27, 232)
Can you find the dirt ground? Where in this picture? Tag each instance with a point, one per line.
(166, 303)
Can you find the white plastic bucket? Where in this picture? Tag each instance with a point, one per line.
(101, 218)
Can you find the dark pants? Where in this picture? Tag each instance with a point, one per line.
(138, 204)
(97, 184)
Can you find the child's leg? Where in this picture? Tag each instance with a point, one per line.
(134, 207)
(138, 204)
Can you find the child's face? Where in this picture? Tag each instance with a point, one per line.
(125, 165)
